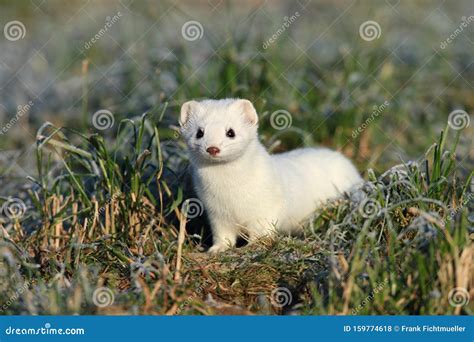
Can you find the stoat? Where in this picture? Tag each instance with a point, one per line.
(245, 189)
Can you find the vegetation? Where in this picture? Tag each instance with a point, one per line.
(98, 226)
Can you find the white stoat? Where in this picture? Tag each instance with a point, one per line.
(243, 187)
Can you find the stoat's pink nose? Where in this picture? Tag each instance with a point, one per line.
(213, 151)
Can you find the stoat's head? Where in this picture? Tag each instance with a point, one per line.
(218, 131)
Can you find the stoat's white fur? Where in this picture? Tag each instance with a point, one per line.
(243, 187)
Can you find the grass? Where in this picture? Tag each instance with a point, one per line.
(103, 230)
(104, 222)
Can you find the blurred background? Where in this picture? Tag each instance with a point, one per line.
(328, 65)
(93, 193)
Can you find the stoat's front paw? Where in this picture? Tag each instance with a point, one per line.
(217, 249)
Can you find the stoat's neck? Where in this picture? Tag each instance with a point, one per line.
(253, 155)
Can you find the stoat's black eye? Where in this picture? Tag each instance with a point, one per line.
(200, 133)
(230, 133)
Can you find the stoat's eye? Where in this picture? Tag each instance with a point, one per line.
(230, 133)
(200, 133)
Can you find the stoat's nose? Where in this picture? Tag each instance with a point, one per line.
(213, 151)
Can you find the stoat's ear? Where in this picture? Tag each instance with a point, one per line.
(248, 110)
(186, 109)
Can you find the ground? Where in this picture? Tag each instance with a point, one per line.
(94, 191)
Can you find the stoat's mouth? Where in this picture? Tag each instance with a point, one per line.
(214, 158)
(217, 159)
